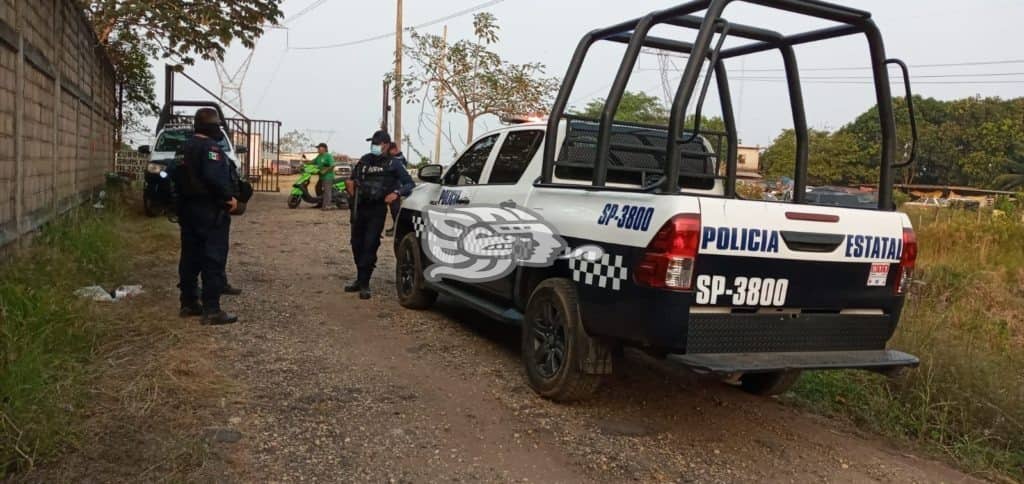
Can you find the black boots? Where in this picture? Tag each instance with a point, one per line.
(191, 310)
(362, 289)
(355, 286)
(216, 318)
(231, 291)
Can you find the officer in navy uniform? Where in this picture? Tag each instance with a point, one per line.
(206, 186)
(379, 179)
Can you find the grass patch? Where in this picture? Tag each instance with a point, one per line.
(965, 320)
(49, 337)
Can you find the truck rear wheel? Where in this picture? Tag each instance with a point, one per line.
(411, 288)
(557, 351)
(769, 384)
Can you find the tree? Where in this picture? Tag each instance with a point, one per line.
(295, 142)
(133, 31)
(832, 158)
(638, 107)
(1014, 177)
(635, 107)
(475, 80)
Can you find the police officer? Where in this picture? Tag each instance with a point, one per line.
(207, 193)
(378, 179)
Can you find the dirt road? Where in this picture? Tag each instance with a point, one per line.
(338, 389)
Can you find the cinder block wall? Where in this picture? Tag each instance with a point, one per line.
(57, 113)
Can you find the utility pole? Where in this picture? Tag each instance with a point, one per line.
(397, 135)
(440, 101)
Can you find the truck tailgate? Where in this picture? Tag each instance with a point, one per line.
(757, 255)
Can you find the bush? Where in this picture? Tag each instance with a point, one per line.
(965, 320)
(49, 335)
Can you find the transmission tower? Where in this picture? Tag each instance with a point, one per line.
(231, 84)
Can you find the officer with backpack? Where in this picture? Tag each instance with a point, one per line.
(378, 180)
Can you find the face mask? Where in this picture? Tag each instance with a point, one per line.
(376, 150)
(210, 130)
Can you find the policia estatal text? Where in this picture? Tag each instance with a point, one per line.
(207, 189)
(379, 179)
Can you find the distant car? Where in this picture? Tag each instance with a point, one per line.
(342, 171)
(841, 199)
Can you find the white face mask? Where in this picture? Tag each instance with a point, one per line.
(376, 150)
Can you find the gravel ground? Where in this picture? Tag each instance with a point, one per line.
(338, 389)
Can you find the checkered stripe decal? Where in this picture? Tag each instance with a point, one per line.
(418, 225)
(606, 272)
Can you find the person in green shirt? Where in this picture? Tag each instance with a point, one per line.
(325, 161)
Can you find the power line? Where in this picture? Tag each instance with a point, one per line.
(894, 81)
(921, 76)
(300, 13)
(916, 66)
(436, 21)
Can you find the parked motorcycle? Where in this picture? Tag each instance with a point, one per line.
(300, 190)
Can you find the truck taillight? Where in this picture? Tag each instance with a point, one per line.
(907, 261)
(669, 259)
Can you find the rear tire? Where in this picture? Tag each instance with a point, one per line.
(556, 349)
(769, 384)
(409, 283)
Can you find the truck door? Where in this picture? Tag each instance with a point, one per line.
(459, 184)
(503, 182)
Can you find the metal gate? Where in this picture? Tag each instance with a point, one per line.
(261, 161)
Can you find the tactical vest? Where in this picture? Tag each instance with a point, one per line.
(376, 180)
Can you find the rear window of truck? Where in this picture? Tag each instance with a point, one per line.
(636, 157)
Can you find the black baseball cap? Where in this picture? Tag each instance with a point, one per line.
(322, 145)
(380, 137)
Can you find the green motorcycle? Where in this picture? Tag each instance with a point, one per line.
(300, 190)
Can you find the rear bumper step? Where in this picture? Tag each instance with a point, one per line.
(878, 360)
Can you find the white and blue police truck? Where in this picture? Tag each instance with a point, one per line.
(674, 261)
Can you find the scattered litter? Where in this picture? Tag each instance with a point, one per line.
(95, 293)
(99, 204)
(125, 292)
(98, 294)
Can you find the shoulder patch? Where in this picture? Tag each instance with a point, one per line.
(214, 155)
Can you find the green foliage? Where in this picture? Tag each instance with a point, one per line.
(473, 79)
(900, 197)
(635, 107)
(972, 142)
(833, 158)
(638, 107)
(1013, 179)
(48, 335)
(964, 320)
(134, 31)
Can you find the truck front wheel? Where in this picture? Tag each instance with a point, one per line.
(411, 287)
(769, 384)
(563, 363)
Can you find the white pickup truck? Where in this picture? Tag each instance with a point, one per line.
(678, 266)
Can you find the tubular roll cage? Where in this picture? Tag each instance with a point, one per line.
(634, 33)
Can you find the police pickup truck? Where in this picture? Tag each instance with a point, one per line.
(171, 134)
(652, 247)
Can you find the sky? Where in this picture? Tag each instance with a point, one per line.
(334, 94)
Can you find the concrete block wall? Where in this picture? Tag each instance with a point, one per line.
(57, 113)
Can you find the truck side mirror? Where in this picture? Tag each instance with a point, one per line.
(241, 150)
(144, 149)
(431, 174)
